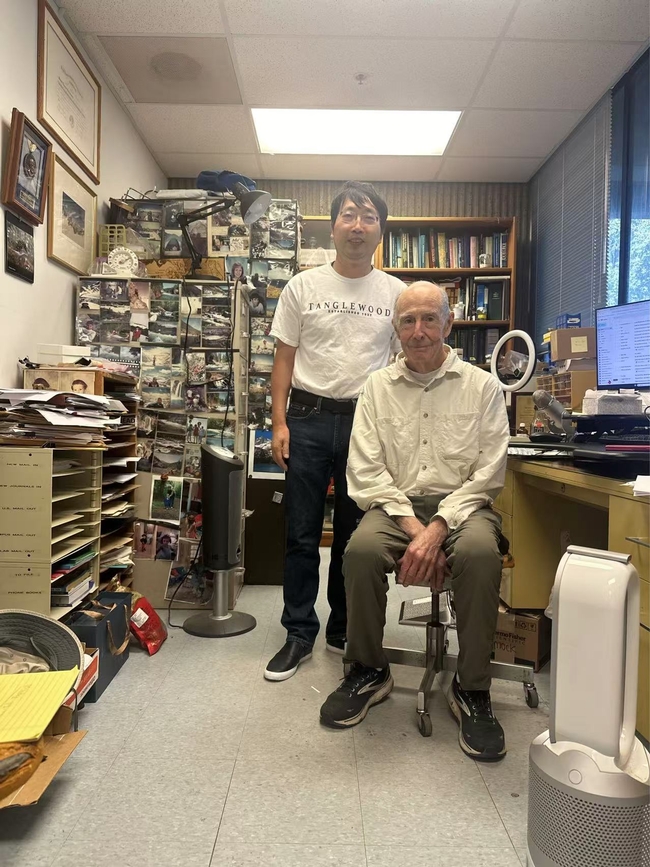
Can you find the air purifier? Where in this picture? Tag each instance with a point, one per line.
(589, 776)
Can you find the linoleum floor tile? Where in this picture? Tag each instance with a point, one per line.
(287, 855)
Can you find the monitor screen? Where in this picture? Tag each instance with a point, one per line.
(623, 345)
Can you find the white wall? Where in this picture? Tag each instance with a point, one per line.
(43, 313)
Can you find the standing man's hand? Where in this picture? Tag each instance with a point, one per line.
(280, 445)
(424, 560)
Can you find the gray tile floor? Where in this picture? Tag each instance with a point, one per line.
(192, 759)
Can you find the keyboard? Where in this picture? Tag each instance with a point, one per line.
(642, 438)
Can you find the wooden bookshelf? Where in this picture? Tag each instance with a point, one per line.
(458, 228)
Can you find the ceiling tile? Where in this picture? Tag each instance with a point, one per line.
(200, 17)
(190, 165)
(421, 18)
(302, 167)
(485, 133)
(552, 74)
(487, 169)
(581, 19)
(286, 73)
(174, 69)
(195, 128)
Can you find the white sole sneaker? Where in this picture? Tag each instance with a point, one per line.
(284, 675)
(377, 697)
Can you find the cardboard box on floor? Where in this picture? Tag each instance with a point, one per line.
(522, 637)
(57, 750)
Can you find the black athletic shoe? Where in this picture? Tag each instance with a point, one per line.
(335, 645)
(286, 661)
(481, 736)
(362, 688)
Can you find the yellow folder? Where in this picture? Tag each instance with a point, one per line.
(28, 702)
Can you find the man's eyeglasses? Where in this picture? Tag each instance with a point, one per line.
(351, 217)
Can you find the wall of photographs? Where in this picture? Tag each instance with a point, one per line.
(176, 336)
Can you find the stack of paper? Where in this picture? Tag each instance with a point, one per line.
(60, 418)
(28, 702)
(642, 486)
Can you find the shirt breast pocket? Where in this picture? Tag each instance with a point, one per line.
(396, 434)
(458, 438)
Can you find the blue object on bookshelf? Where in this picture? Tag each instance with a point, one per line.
(568, 320)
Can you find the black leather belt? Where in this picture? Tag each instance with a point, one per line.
(346, 407)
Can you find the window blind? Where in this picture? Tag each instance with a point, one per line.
(569, 223)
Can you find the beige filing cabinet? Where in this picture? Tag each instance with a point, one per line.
(546, 506)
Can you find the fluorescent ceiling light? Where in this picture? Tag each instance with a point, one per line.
(325, 131)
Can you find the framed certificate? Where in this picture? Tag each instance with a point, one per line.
(72, 220)
(69, 95)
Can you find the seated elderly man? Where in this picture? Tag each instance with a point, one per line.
(427, 457)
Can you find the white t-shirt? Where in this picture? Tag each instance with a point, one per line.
(341, 327)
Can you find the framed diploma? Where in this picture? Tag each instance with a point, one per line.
(27, 171)
(69, 95)
(72, 220)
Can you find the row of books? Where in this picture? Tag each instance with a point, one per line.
(477, 344)
(428, 249)
(489, 294)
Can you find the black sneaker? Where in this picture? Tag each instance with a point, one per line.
(362, 688)
(481, 736)
(286, 661)
(335, 645)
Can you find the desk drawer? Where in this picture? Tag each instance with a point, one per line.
(643, 695)
(589, 496)
(503, 502)
(629, 532)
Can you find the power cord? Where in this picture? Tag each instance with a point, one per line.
(190, 569)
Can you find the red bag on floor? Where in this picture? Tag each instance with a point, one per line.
(147, 626)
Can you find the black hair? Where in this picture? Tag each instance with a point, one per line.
(360, 194)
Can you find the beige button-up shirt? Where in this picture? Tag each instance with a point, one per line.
(446, 436)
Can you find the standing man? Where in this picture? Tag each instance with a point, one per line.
(333, 328)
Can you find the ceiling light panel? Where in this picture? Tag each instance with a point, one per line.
(316, 131)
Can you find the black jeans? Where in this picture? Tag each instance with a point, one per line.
(318, 449)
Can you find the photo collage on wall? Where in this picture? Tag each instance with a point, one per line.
(272, 266)
(155, 223)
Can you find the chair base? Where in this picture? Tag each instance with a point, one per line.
(435, 659)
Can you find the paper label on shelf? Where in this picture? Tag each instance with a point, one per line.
(139, 617)
(579, 344)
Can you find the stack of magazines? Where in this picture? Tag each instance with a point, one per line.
(60, 419)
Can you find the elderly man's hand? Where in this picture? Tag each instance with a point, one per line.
(424, 560)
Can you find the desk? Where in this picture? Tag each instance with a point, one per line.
(546, 506)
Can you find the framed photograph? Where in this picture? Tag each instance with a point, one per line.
(27, 172)
(72, 220)
(260, 460)
(19, 248)
(69, 94)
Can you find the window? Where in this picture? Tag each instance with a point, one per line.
(628, 253)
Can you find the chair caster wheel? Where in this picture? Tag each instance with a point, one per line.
(424, 725)
(531, 695)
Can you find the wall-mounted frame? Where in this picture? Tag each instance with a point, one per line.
(72, 220)
(69, 94)
(27, 171)
(19, 248)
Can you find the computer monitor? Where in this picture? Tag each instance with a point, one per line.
(623, 346)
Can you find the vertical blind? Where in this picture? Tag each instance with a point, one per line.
(569, 223)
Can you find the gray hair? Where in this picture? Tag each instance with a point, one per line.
(443, 298)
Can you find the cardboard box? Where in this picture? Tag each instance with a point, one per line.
(573, 343)
(57, 750)
(522, 637)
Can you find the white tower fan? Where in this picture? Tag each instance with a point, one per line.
(589, 784)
